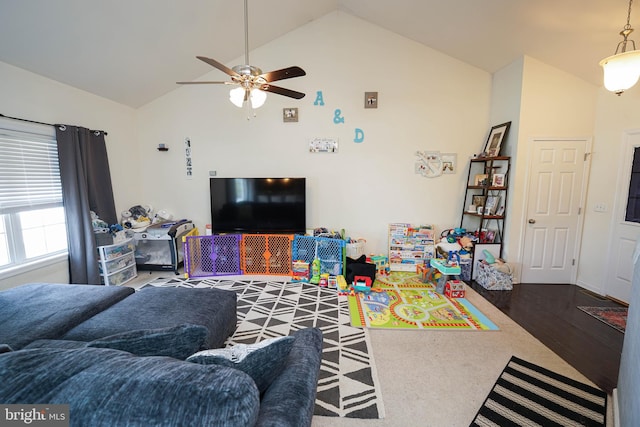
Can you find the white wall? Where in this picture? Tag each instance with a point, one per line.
(552, 104)
(29, 96)
(614, 115)
(506, 102)
(427, 101)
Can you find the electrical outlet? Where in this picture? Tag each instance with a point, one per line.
(600, 207)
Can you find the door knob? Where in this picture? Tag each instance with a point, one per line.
(532, 221)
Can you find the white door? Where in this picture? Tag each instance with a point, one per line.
(624, 234)
(553, 211)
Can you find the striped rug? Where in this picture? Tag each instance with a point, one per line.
(529, 395)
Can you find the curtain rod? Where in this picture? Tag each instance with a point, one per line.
(39, 123)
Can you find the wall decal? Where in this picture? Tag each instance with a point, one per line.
(187, 158)
(336, 116)
(359, 135)
(323, 145)
(371, 100)
(289, 115)
(429, 164)
(319, 99)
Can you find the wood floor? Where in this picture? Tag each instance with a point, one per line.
(550, 313)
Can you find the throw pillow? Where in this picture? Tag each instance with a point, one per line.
(177, 341)
(262, 361)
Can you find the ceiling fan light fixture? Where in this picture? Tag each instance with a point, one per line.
(258, 97)
(622, 69)
(236, 96)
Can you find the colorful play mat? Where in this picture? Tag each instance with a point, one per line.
(405, 302)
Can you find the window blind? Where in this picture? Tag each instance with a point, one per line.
(29, 170)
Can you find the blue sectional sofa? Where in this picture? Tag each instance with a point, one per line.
(117, 358)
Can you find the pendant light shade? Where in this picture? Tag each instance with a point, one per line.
(622, 70)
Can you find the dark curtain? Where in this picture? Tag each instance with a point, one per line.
(86, 187)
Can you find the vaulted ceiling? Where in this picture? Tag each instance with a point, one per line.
(133, 51)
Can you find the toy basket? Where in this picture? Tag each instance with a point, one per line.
(492, 279)
(356, 249)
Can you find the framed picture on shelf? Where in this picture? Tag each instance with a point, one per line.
(491, 206)
(480, 179)
(489, 236)
(497, 180)
(478, 201)
(496, 136)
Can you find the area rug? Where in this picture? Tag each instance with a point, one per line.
(529, 395)
(616, 317)
(402, 301)
(348, 384)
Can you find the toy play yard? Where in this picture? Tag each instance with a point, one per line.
(405, 302)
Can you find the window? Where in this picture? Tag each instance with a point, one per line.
(32, 223)
(632, 213)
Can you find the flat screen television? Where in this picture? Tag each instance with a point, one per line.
(258, 205)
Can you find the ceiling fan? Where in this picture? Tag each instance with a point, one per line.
(252, 83)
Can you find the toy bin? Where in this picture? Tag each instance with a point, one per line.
(266, 254)
(492, 279)
(356, 249)
(212, 255)
(465, 269)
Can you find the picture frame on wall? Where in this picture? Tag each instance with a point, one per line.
(496, 136)
(449, 162)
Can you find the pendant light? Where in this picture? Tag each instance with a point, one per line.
(622, 70)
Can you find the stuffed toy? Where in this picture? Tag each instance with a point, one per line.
(137, 217)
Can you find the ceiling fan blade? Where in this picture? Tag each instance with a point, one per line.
(218, 65)
(282, 91)
(205, 83)
(285, 73)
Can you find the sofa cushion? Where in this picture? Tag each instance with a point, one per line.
(107, 387)
(178, 342)
(48, 311)
(290, 400)
(54, 344)
(155, 307)
(263, 361)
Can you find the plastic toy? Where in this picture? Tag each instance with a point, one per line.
(315, 272)
(342, 283)
(382, 264)
(362, 284)
(454, 289)
(488, 256)
(324, 280)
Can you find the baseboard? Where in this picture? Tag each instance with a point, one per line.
(616, 409)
